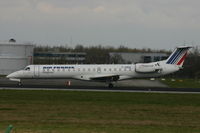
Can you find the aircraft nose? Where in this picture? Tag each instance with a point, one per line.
(12, 75)
(8, 76)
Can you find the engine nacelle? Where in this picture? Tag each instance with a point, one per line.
(147, 68)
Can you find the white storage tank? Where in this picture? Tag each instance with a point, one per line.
(15, 56)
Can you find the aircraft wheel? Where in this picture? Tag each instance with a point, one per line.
(110, 85)
(19, 83)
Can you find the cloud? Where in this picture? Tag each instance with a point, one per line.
(100, 18)
(171, 13)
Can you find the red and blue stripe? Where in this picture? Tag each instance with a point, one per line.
(178, 56)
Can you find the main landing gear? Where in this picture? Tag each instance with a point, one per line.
(110, 85)
(20, 83)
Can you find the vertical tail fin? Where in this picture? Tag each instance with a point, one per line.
(178, 56)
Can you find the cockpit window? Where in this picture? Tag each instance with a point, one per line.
(27, 68)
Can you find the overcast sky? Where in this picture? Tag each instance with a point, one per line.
(157, 24)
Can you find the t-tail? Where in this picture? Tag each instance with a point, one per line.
(178, 56)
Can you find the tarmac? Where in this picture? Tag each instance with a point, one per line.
(134, 85)
(64, 83)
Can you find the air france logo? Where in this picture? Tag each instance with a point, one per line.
(57, 68)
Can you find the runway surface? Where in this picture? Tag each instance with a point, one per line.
(125, 86)
(105, 89)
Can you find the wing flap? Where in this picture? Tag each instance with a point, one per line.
(105, 78)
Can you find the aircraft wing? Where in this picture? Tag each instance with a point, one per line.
(108, 77)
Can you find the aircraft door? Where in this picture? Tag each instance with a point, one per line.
(36, 71)
(98, 69)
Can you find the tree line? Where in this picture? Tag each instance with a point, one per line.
(94, 54)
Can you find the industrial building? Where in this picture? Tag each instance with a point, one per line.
(80, 57)
(138, 57)
(59, 57)
(15, 56)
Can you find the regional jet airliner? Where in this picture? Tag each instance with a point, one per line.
(108, 73)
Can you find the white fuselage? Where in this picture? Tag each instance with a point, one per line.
(95, 72)
(105, 73)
